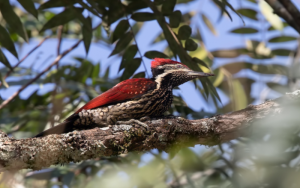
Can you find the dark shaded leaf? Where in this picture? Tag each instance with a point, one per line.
(175, 19)
(208, 24)
(223, 8)
(231, 7)
(200, 62)
(12, 19)
(136, 5)
(28, 5)
(281, 52)
(184, 32)
(191, 45)
(282, 39)
(122, 43)
(55, 3)
(143, 16)
(153, 54)
(87, 34)
(62, 18)
(130, 68)
(95, 73)
(249, 13)
(168, 7)
(128, 56)
(139, 75)
(121, 28)
(4, 60)
(158, 2)
(244, 30)
(6, 42)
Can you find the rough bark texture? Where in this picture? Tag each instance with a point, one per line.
(164, 133)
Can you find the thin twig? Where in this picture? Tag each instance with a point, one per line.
(59, 36)
(57, 59)
(10, 71)
(146, 71)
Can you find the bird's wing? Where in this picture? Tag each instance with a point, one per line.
(128, 89)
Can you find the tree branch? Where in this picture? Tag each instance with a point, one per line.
(164, 133)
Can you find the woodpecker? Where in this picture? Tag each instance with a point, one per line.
(131, 99)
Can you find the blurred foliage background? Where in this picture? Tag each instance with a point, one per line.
(268, 57)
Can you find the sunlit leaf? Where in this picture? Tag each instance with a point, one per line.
(244, 30)
(268, 13)
(12, 19)
(122, 43)
(143, 16)
(3, 81)
(208, 24)
(282, 39)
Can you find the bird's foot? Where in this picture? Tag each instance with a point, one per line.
(133, 121)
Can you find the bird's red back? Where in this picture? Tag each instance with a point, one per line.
(126, 90)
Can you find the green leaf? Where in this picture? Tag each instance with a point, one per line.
(121, 28)
(175, 19)
(244, 30)
(222, 6)
(249, 13)
(168, 7)
(231, 7)
(128, 56)
(139, 75)
(3, 81)
(130, 68)
(184, 32)
(28, 5)
(122, 43)
(232, 53)
(6, 41)
(281, 52)
(136, 5)
(271, 28)
(282, 39)
(278, 87)
(95, 73)
(190, 45)
(62, 18)
(143, 16)
(87, 33)
(12, 19)
(208, 24)
(4, 60)
(55, 3)
(153, 54)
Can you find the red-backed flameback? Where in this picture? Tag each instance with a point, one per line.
(131, 99)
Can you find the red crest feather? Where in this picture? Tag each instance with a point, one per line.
(162, 61)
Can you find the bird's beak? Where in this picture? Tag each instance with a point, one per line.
(199, 74)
